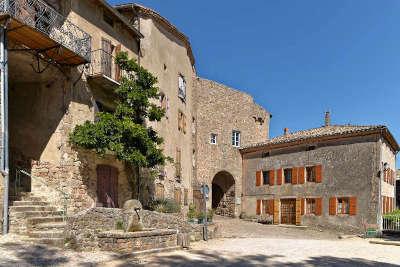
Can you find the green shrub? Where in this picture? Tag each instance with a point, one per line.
(392, 215)
(119, 225)
(210, 214)
(200, 215)
(165, 206)
(192, 212)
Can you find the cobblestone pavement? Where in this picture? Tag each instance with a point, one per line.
(244, 244)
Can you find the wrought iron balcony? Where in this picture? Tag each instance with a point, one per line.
(38, 26)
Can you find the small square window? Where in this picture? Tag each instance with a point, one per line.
(182, 88)
(310, 206)
(236, 138)
(310, 174)
(343, 205)
(108, 19)
(266, 177)
(213, 139)
(288, 176)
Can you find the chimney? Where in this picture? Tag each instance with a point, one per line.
(285, 131)
(327, 118)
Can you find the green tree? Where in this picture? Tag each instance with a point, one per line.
(123, 131)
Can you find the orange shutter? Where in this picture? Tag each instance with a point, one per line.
(276, 211)
(279, 178)
(318, 173)
(258, 178)
(332, 206)
(294, 175)
(353, 206)
(298, 211)
(271, 206)
(303, 200)
(258, 208)
(271, 177)
(301, 175)
(318, 206)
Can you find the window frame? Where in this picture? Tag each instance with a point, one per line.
(265, 175)
(314, 171)
(343, 210)
(213, 138)
(284, 175)
(236, 138)
(311, 206)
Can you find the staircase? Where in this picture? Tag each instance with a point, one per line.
(38, 220)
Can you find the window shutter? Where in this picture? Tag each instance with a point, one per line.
(276, 211)
(271, 206)
(279, 178)
(353, 206)
(298, 211)
(303, 204)
(318, 206)
(301, 175)
(318, 173)
(271, 177)
(258, 178)
(332, 206)
(294, 175)
(258, 208)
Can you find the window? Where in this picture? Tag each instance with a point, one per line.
(182, 88)
(163, 101)
(288, 176)
(266, 177)
(268, 206)
(343, 205)
(310, 206)
(265, 154)
(309, 148)
(178, 164)
(181, 122)
(311, 174)
(236, 138)
(213, 139)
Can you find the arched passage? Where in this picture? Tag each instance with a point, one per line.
(223, 194)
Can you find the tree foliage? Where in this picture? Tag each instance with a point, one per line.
(123, 130)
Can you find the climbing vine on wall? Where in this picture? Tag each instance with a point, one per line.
(123, 130)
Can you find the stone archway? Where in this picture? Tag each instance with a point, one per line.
(223, 194)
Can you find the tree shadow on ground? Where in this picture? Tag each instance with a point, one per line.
(208, 259)
(35, 255)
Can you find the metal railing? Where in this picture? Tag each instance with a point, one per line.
(65, 196)
(391, 223)
(40, 16)
(103, 63)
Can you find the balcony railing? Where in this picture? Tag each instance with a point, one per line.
(103, 64)
(41, 17)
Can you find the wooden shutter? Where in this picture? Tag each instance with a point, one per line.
(318, 206)
(353, 206)
(301, 175)
(117, 69)
(298, 211)
(279, 178)
(318, 173)
(332, 206)
(303, 205)
(383, 204)
(258, 207)
(270, 204)
(276, 211)
(271, 177)
(258, 178)
(294, 175)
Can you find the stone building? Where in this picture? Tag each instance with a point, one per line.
(226, 120)
(339, 176)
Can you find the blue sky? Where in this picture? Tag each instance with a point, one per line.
(299, 58)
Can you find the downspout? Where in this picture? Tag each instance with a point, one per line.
(4, 119)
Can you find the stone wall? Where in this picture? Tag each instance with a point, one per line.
(220, 110)
(349, 168)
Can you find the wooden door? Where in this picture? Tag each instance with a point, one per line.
(288, 211)
(107, 186)
(106, 57)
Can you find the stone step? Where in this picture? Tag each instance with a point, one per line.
(32, 208)
(46, 234)
(57, 242)
(31, 198)
(36, 214)
(35, 220)
(30, 203)
(50, 226)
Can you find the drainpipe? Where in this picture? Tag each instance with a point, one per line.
(4, 119)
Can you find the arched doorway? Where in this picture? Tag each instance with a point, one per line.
(223, 194)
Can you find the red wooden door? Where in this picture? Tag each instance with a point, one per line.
(107, 186)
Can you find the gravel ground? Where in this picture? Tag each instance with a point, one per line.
(244, 244)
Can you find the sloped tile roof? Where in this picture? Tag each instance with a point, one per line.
(325, 131)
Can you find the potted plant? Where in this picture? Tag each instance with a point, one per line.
(201, 217)
(210, 215)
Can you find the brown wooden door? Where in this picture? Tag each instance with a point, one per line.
(107, 186)
(106, 57)
(288, 211)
